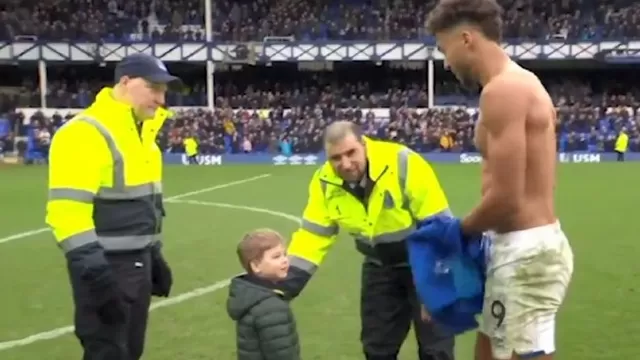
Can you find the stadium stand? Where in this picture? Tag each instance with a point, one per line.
(283, 107)
(318, 20)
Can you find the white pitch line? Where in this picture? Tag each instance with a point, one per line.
(56, 333)
(240, 207)
(176, 197)
(23, 235)
(218, 187)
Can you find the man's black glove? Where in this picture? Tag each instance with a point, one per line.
(161, 276)
(89, 264)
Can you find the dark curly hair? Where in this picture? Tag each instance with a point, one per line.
(485, 14)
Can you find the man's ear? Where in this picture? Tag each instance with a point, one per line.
(125, 80)
(254, 267)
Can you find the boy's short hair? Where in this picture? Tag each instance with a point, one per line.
(255, 243)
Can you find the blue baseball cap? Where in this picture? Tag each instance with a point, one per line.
(149, 68)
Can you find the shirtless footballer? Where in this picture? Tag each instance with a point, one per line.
(530, 260)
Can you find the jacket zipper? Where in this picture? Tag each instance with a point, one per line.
(375, 183)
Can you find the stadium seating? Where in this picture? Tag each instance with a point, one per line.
(228, 131)
(593, 105)
(247, 20)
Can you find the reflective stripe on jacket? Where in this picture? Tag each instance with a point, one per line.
(406, 190)
(105, 179)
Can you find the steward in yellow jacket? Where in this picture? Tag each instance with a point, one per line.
(105, 209)
(191, 149)
(622, 142)
(375, 191)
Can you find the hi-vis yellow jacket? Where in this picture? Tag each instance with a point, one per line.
(622, 142)
(190, 146)
(105, 178)
(406, 190)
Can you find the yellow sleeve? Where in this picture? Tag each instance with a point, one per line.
(317, 233)
(76, 161)
(425, 195)
(311, 242)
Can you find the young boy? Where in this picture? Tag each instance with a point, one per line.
(265, 326)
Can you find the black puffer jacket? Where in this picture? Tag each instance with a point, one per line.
(265, 326)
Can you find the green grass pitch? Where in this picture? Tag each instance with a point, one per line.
(597, 204)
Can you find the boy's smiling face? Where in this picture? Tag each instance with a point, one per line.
(274, 264)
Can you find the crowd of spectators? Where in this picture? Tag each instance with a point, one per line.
(354, 84)
(580, 127)
(282, 109)
(286, 110)
(253, 20)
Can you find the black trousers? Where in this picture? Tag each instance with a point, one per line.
(123, 341)
(620, 156)
(388, 306)
(193, 159)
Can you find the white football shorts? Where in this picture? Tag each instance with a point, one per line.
(528, 273)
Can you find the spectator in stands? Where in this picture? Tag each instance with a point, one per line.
(171, 20)
(43, 139)
(286, 147)
(622, 143)
(246, 145)
(446, 140)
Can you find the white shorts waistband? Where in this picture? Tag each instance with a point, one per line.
(538, 232)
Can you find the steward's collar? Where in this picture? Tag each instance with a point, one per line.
(106, 103)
